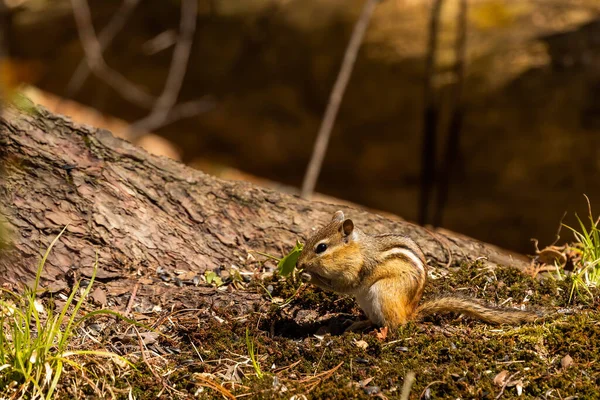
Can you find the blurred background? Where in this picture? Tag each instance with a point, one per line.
(494, 133)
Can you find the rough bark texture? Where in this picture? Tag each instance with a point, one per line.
(140, 212)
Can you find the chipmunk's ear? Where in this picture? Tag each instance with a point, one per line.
(338, 216)
(348, 227)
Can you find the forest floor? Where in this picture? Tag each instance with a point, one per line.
(295, 337)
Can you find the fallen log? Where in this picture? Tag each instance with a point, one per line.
(140, 212)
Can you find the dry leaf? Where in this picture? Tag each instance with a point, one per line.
(100, 273)
(382, 333)
(99, 296)
(519, 387)
(365, 382)
(552, 255)
(361, 344)
(147, 338)
(514, 383)
(39, 306)
(566, 362)
(186, 275)
(500, 379)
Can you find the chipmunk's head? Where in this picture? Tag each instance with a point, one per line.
(332, 256)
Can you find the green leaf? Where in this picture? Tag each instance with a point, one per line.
(213, 278)
(286, 265)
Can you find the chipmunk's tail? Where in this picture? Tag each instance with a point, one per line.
(476, 309)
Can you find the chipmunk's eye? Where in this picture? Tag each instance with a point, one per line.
(321, 248)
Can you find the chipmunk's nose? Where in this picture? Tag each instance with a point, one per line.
(304, 265)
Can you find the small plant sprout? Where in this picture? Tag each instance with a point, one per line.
(586, 274)
(253, 354)
(287, 264)
(213, 279)
(35, 342)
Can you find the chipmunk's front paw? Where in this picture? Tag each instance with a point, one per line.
(305, 277)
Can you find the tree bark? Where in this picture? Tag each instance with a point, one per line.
(139, 212)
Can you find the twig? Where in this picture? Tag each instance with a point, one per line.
(506, 382)
(185, 110)
(215, 386)
(456, 120)
(335, 99)
(179, 63)
(560, 225)
(97, 64)
(131, 299)
(319, 362)
(429, 118)
(105, 38)
(427, 387)
(509, 362)
(282, 369)
(145, 360)
(409, 379)
(440, 238)
(179, 111)
(163, 108)
(92, 384)
(319, 377)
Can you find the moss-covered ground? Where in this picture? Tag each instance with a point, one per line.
(301, 350)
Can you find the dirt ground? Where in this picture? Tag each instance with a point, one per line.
(207, 334)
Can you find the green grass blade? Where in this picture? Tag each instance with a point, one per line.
(32, 343)
(57, 374)
(63, 312)
(252, 355)
(82, 298)
(44, 258)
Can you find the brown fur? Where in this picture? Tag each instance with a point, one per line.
(475, 309)
(396, 306)
(384, 275)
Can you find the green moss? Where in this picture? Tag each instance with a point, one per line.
(87, 141)
(466, 355)
(458, 357)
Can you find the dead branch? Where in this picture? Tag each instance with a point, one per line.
(429, 117)
(179, 63)
(335, 99)
(105, 38)
(95, 60)
(456, 119)
(164, 109)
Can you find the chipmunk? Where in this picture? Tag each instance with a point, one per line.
(387, 275)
